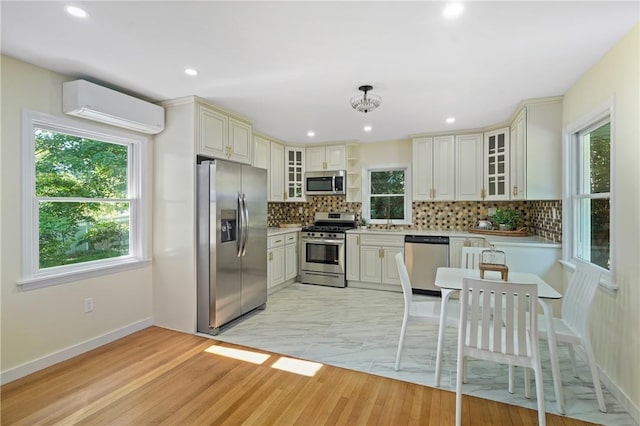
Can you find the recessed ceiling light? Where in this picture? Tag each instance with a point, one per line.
(367, 128)
(311, 133)
(191, 72)
(450, 120)
(76, 11)
(452, 10)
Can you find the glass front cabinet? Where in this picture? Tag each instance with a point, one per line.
(496, 165)
(294, 175)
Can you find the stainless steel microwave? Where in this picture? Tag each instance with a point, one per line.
(325, 183)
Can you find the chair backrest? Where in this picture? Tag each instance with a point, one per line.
(496, 317)
(578, 300)
(471, 257)
(404, 280)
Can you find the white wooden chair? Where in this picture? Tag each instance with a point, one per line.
(572, 328)
(427, 311)
(500, 334)
(471, 257)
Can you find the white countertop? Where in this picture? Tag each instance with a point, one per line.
(531, 240)
(273, 230)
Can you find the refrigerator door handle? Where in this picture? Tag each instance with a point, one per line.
(245, 224)
(239, 226)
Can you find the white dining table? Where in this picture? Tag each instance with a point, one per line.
(449, 280)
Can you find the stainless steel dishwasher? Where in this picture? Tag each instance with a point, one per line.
(423, 254)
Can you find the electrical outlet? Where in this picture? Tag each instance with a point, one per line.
(88, 304)
(492, 211)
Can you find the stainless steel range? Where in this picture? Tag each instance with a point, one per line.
(322, 252)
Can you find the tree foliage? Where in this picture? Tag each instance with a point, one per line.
(69, 168)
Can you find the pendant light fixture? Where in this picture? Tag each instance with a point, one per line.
(365, 103)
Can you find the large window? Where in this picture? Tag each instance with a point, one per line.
(591, 195)
(387, 195)
(82, 199)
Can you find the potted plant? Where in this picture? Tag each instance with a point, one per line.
(507, 219)
(363, 223)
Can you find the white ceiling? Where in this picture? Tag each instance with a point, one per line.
(292, 67)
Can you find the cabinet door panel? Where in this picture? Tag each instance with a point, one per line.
(496, 164)
(315, 160)
(370, 264)
(443, 167)
(260, 152)
(469, 160)
(212, 132)
(353, 257)
(336, 157)
(275, 172)
(291, 261)
(421, 169)
(276, 266)
(389, 268)
(240, 141)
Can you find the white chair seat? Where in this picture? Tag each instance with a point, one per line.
(428, 311)
(564, 332)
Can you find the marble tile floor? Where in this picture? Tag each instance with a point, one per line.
(359, 329)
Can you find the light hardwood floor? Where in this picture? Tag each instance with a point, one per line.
(159, 376)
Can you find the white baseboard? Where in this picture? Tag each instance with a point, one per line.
(75, 350)
(613, 388)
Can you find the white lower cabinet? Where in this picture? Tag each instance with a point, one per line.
(377, 264)
(290, 256)
(353, 257)
(282, 259)
(455, 248)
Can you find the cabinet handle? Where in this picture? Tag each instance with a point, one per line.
(278, 241)
(358, 240)
(284, 195)
(515, 191)
(271, 256)
(483, 193)
(380, 253)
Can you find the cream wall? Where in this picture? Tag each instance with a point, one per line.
(615, 326)
(390, 152)
(40, 323)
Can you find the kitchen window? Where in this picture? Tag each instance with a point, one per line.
(387, 199)
(84, 200)
(588, 222)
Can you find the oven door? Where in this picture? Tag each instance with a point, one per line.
(322, 255)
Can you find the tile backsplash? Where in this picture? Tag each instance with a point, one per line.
(449, 215)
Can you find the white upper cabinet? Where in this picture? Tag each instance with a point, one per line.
(536, 151)
(469, 167)
(294, 174)
(275, 172)
(433, 168)
(221, 136)
(261, 148)
(496, 165)
(320, 158)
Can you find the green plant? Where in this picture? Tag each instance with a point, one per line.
(509, 217)
(362, 221)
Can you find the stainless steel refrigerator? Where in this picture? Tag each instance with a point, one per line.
(232, 242)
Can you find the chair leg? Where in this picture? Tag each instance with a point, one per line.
(594, 373)
(527, 382)
(512, 379)
(539, 392)
(403, 331)
(465, 361)
(572, 356)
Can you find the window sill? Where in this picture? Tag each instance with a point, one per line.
(76, 275)
(605, 279)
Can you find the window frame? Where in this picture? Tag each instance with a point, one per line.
(573, 194)
(366, 203)
(138, 198)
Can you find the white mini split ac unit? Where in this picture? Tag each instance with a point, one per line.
(87, 100)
